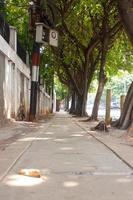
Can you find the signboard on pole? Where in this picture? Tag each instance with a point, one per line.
(53, 38)
(42, 33)
(46, 35)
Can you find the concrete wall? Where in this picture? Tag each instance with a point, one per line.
(44, 105)
(2, 79)
(15, 84)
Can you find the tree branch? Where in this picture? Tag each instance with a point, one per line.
(72, 36)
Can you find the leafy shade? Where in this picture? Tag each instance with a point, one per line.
(17, 15)
(120, 56)
(61, 90)
(46, 67)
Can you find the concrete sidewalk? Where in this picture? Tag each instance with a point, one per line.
(73, 165)
(117, 140)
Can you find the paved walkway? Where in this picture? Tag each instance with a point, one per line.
(74, 165)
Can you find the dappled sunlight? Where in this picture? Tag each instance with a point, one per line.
(23, 134)
(33, 139)
(41, 127)
(23, 181)
(69, 184)
(26, 123)
(36, 127)
(92, 131)
(66, 148)
(49, 133)
(124, 180)
(54, 125)
(77, 135)
(60, 126)
(79, 132)
(60, 140)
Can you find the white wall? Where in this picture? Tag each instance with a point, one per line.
(15, 81)
(44, 104)
(15, 84)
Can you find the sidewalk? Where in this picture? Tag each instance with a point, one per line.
(10, 147)
(117, 140)
(73, 164)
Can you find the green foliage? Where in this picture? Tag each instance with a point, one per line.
(17, 15)
(61, 90)
(120, 83)
(120, 56)
(2, 8)
(46, 67)
(84, 22)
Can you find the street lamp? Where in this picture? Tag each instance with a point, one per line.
(40, 27)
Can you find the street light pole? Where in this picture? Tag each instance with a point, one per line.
(34, 80)
(35, 17)
(40, 25)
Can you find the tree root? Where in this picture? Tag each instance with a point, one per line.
(102, 126)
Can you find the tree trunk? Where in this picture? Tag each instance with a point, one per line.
(85, 88)
(126, 13)
(67, 103)
(80, 106)
(126, 118)
(130, 130)
(102, 75)
(82, 97)
(102, 82)
(73, 103)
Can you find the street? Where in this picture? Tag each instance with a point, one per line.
(73, 165)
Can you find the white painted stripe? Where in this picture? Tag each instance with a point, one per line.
(35, 73)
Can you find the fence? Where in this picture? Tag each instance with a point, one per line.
(5, 33)
(4, 29)
(21, 51)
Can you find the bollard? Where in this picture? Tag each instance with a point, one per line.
(122, 100)
(108, 107)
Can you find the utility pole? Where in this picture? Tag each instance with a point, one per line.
(41, 27)
(34, 18)
(34, 80)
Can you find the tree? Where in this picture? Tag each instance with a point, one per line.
(81, 31)
(17, 15)
(61, 90)
(126, 118)
(126, 13)
(107, 39)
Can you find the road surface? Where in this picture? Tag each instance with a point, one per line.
(73, 165)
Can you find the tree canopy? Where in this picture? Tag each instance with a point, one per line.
(92, 42)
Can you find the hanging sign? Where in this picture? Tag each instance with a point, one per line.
(53, 38)
(42, 33)
(46, 35)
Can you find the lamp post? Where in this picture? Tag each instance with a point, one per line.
(40, 27)
(34, 18)
(34, 80)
